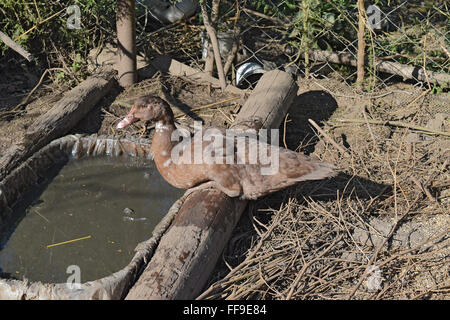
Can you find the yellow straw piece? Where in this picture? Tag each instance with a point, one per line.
(69, 241)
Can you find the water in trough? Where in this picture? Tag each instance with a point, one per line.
(112, 203)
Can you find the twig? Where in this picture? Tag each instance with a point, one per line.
(433, 289)
(39, 23)
(370, 129)
(397, 124)
(344, 14)
(210, 105)
(394, 176)
(417, 98)
(66, 242)
(423, 188)
(381, 95)
(37, 85)
(326, 136)
(377, 251)
(403, 70)
(445, 50)
(375, 255)
(167, 27)
(264, 16)
(27, 98)
(307, 265)
(227, 118)
(243, 263)
(110, 114)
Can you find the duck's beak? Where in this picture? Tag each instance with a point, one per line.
(129, 119)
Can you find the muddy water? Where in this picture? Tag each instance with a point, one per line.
(115, 202)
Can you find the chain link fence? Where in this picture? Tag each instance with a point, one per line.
(320, 39)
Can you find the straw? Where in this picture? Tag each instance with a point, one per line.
(66, 242)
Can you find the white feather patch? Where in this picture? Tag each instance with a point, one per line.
(167, 163)
(160, 127)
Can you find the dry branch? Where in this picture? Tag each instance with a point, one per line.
(209, 63)
(215, 44)
(326, 136)
(10, 43)
(397, 124)
(235, 46)
(405, 71)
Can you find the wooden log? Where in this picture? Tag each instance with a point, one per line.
(190, 249)
(62, 117)
(270, 100)
(178, 69)
(126, 42)
(402, 70)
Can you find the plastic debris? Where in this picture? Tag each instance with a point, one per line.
(167, 13)
(246, 70)
(131, 219)
(128, 211)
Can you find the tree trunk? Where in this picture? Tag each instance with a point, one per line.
(126, 42)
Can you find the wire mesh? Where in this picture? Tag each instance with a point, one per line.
(288, 34)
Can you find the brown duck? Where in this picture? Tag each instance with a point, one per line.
(223, 166)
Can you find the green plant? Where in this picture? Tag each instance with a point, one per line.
(41, 28)
(437, 89)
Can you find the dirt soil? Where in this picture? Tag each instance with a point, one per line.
(379, 230)
(15, 87)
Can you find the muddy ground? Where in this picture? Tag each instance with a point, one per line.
(378, 230)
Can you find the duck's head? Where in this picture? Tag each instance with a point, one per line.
(148, 108)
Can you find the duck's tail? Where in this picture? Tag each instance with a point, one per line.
(321, 170)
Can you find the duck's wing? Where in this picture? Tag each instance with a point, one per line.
(232, 147)
(288, 169)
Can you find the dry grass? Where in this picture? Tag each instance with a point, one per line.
(379, 230)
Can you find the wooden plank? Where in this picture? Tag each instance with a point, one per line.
(59, 120)
(178, 69)
(190, 249)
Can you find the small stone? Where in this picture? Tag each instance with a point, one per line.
(412, 137)
(416, 238)
(437, 122)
